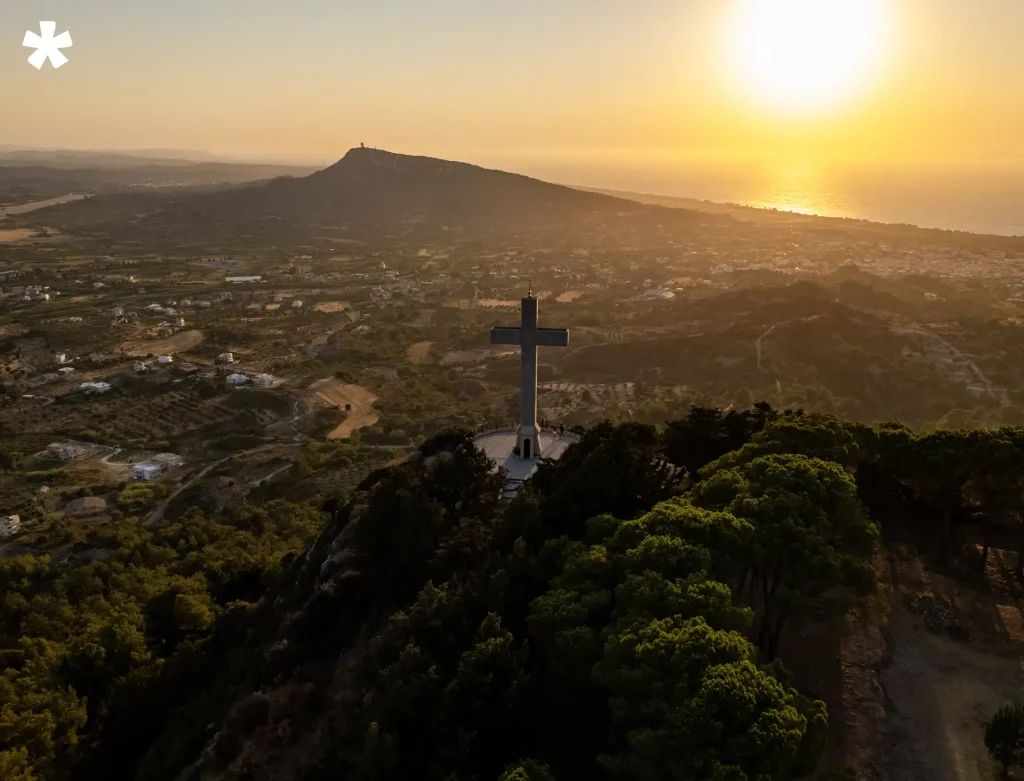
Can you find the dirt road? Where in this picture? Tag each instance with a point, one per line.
(939, 692)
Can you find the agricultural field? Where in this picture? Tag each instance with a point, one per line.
(170, 345)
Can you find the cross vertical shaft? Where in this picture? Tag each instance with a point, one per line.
(528, 369)
(528, 336)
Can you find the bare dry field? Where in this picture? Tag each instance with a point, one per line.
(273, 307)
(181, 342)
(569, 296)
(481, 303)
(25, 208)
(16, 234)
(331, 306)
(336, 393)
(419, 352)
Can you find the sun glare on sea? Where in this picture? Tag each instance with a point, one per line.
(807, 56)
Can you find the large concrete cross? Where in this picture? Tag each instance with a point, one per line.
(529, 337)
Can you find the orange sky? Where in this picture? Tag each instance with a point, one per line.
(310, 78)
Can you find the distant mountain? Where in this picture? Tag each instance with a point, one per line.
(21, 181)
(100, 158)
(384, 188)
(369, 193)
(370, 188)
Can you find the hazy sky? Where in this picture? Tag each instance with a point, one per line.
(490, 80)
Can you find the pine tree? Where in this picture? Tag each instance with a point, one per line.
(1004, 736)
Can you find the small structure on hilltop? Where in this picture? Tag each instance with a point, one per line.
(519, 451)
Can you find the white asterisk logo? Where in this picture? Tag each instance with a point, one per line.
(47, 46)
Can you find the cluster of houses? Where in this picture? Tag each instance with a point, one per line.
(30, 292)
(69, 451)
(259, 380)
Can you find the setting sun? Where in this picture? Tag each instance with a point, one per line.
(807, 55)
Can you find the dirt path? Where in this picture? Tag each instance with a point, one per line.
(419, 352)
(761, 338)
(158, 513)
(939, 691)
(940, 694)
(336, 393)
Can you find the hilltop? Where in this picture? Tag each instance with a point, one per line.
(373, 188)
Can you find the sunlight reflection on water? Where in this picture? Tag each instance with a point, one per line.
(982, 197)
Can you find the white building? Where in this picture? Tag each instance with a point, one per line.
(147, 470)
(237, 379)
(162, 462)
(9, 526)
(226, 358)
(164, 359)
(95, 387)
(296, 305)
(117, 311)
(179, 322)
(61, 358)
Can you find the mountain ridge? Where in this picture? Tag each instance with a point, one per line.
(377, 189)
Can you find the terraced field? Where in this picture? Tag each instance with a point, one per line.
(157, 417)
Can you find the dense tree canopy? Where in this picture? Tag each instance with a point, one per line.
(620, 618)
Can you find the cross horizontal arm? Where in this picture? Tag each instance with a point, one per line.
(552, 337)
(501, 335)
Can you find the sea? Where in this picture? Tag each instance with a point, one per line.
(978, 197)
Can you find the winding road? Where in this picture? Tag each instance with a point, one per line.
(158, 513)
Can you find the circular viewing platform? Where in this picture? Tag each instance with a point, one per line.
(499, 446)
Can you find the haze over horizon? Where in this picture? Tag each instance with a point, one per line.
(457, 78)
